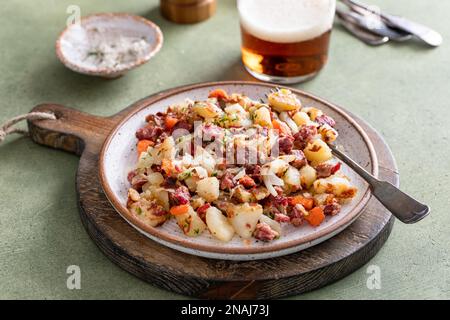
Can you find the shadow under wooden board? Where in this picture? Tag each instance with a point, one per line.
(84, 134)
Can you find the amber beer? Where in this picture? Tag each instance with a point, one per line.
(285, 41)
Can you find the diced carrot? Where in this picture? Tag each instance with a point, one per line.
(170, 122)
(143, 145)
(220, 94)
(315, 216)
(281, 126)
(166, 166)
(307, 203)
(179, 210)
(276, 124)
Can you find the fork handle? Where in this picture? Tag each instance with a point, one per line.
(401, 205)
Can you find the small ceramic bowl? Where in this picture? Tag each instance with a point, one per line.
(108, 44)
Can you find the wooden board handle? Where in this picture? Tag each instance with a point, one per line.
(73, 131)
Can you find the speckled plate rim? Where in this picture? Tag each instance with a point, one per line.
(244, 252)
(110, 71)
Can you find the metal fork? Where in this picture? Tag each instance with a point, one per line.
(402, 206)
(399, 24)
(359, 32)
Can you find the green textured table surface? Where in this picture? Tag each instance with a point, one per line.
(402, 90)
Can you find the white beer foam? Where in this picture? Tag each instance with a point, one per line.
(286, 21)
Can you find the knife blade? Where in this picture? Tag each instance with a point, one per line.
(427, 35)
(424, 33)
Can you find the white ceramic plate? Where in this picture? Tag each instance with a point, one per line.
(118, 157)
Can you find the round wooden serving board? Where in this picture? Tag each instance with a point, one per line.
(84, 134)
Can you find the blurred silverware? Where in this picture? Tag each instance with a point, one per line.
(360, 33)
(422, 32)
(401, 205)
(374, 24)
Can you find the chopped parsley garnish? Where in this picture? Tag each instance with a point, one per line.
(222, 120)
(185, 174)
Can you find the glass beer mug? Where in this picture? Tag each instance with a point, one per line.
(285, 41)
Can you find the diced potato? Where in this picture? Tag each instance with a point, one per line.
(183, 144)
(243, 121)
(191, 183)
(197, 202)
(244, 218)
(200, 172)
(301, 119)
(155, 178)
(204, 159)
(260, 193)
(235, 109)
(218, 224)
(313, 112)
(284, 100)
(241, 99)
(208, 189)
(207, 110)
(292, 177)
(191, 224)
(162, 197)
(277, 166)
(237, 120)
(146, 186)
(245, 150)
(187, 159)
(242, 195)
(307, 176)
(158, 194)
(276, 226)
(262, 117)
(133, 194)
(165, 150)
(338, 186)
(320, 199)
(328, 133)
(146, 160)
(143, 213)
(288, 158)
(317, 152)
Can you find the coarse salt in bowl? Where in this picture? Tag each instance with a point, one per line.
(108, 44)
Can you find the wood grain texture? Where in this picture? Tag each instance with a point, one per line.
(307, 270)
